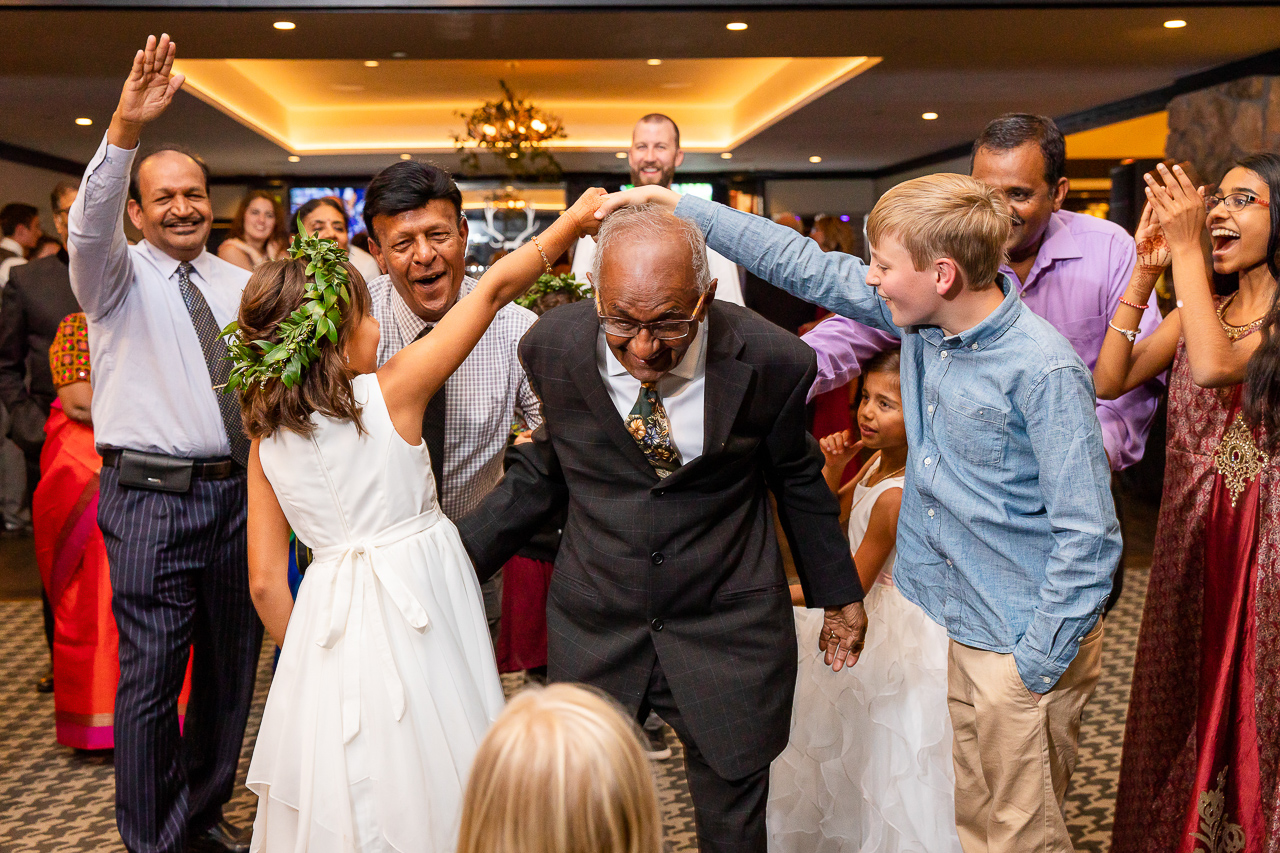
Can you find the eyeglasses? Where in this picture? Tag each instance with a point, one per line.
(1235, 202)
(663, 330)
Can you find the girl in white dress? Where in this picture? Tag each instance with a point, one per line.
(868, 765)
(386, 681)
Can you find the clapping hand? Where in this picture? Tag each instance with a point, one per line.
(844, 630)
(839, 448)
(147, 92)
(1178, 206)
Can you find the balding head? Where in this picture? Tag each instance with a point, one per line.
(169, 203)
(651, 267)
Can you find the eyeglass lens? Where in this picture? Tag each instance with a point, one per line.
(1234, 202)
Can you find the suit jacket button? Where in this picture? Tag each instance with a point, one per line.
(656, 558)
(656, 624)
(659, 492)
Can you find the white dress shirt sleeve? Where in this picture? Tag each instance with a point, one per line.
(100, 266)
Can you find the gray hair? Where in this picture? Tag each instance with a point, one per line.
(652, 222)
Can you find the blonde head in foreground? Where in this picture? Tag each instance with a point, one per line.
(561, 771)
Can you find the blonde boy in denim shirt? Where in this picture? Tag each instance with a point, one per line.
(1008, 534)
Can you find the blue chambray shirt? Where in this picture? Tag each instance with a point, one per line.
(1007, 534)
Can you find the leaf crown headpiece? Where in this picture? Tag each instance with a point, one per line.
(303, 331)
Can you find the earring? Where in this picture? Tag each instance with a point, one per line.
(347, 357)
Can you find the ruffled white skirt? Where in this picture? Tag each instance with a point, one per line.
(377, 705)
(868, 766)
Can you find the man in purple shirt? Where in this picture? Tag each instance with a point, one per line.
(1069, 268)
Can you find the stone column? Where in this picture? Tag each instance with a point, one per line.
(1215, 127)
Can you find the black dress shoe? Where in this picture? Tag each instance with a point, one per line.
(222, 837)
(45, 684)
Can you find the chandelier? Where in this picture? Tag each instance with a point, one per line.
(513, 130)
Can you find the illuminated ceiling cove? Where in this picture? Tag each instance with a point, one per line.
(340, 106)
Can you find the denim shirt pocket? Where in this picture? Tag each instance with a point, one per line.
(979, 432)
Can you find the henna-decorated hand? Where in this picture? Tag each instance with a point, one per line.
(1178, 206)
(583, 212)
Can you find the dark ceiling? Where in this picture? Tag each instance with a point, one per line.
(968, 65)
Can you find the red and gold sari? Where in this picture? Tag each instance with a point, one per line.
(1200, 768)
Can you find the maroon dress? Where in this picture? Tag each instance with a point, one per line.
(1202, 740)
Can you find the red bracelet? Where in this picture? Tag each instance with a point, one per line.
(1124, 301)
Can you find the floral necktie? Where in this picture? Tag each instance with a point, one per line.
(650, 427)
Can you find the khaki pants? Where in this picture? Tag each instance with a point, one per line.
(1013, 754)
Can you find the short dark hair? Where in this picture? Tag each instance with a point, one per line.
(310, 208)
(135, 192)
(1013, 130)
(654, 118)
(408, 185)
(14, 214)
(60, 189)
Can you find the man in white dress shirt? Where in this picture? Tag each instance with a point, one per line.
(172, 498)
(653, 158)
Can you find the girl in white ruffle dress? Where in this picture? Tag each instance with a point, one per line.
(868, 765)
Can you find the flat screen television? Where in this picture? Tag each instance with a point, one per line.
(352, 199)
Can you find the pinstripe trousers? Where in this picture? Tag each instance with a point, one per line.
(179, 582)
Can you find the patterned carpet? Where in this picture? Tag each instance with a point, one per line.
(56, 799)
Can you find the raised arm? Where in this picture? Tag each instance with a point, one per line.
(777, 254)
(1215, 359)
(99, 258)
(1123, 365)
(413, 375)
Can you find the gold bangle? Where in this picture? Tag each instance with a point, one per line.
(550, 271)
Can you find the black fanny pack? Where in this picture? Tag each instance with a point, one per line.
(153, 471)
(160, 473)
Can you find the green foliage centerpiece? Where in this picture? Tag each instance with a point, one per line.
(548, 283)
(301, 333)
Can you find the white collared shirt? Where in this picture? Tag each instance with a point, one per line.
(151, 387)
(726, 273)
(683, 391)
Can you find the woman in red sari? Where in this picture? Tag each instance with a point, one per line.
(71, 555)
(1201, 760)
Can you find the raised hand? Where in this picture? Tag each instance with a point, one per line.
(1178, 206)
(583, 211)
(638, 196)
(839, 448)
(147, 92)
(844, 631)
(1153, 249)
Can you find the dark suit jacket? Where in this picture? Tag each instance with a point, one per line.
(36, 300)
(683, 570)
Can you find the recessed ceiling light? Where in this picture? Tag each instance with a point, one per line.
(371, 63)
(284, 25)
(726, 156)
(929, 116)
(736, 26)
(1175, 24)
(621, 155)
(294, 158)
(399, 54)
(406, 156)
(815, 159)
(84, 122)
(655, 61)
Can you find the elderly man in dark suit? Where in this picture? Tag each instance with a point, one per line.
(669, 418)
